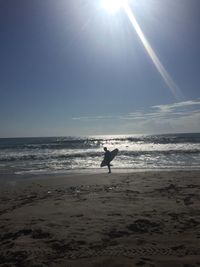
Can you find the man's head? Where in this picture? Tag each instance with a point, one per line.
(105, 148)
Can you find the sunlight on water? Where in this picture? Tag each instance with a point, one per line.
(54, 155)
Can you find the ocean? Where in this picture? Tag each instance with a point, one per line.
(53, 155)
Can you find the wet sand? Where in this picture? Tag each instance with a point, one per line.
(149, 219)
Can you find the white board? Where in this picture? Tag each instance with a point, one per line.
(113, 155)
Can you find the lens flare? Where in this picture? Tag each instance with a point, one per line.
(159, 66)
(113, 6)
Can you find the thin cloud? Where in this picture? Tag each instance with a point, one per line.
(175, 110)
(178, 105)
(87, 118)
(183, 115)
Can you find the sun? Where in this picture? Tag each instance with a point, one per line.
(113, 6)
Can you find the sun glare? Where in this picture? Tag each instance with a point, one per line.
(113, 6)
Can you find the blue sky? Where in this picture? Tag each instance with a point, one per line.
(69, 67)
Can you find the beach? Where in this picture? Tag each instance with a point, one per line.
(147, 218)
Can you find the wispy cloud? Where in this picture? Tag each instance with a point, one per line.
(88, 118)
(179, 109)
(180, 116)
(171, 107)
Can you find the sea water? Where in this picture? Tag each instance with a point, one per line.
(65, 154)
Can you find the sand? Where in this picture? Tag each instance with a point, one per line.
(149, 219)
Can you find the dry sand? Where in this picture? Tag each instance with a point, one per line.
(148, 219)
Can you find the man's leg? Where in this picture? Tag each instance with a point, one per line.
(109, 168)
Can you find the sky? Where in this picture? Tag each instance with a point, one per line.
(71, 67)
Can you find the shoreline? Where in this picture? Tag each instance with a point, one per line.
(23, 175)
(132, 219)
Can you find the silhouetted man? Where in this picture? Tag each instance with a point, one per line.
(107, 158)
